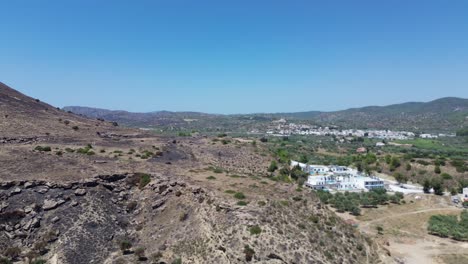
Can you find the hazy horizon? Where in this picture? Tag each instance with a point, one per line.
(277, 112)
(235, 58)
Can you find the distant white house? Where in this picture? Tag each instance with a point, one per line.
(302, 165)
(428, 136)
(465, 194)
(379, 144)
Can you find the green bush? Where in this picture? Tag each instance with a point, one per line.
(144, 180)
(218, 170)
(239, 195)
(242, 203)
(255, 230)
(125, 245)
(46, 148)
(273, 166)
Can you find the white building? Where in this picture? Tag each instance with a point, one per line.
(317, 169)
(465, 194)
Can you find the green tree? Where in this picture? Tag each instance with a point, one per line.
(437, 186)
(427, 186)
(273, 166)
(437, 169)
(303, 159)
(400, 178)
(408, 166)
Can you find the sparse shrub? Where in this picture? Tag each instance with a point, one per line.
(261, 203)
(360, 247)
(46, 148)
(155, 257)
(125, 245)
(242, 203)
(297, 198)
(211, 178)
(255, 230)
(39, 261)
(183, 216)
(131, 206)
(5, 261)
(230, 191)
(177, 261)
(66, 122)
(273, 166)
(69, 150)
(249, 253)
(218, 170)
(144, 180)
(40, 246)
(12, 252)
(90, 153)
(314, 219)
(446, 176)
(239, 195)
(140, 253)
(379, 230)
(76, 128)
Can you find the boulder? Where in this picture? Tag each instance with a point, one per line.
(49, 205)
(16, 190)
(80, 192)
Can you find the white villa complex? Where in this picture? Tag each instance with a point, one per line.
(338, 178)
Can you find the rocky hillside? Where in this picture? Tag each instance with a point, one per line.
(25, 118)
(138, 198)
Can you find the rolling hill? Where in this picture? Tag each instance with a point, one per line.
(23, 116)
(444, 114)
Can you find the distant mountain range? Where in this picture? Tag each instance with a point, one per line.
(444, 114)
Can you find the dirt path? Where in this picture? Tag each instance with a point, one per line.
(366, 224)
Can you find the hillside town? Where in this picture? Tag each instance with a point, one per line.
(282, 127)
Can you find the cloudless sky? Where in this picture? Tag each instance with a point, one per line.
(234, 56)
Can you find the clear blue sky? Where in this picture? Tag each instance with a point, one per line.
(234, 56)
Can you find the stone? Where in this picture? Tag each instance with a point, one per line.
(28, 209)
(27, 225)
(60, 202)
(10, 235)
(74, 203)
(16, 190)
(80, 192)
(28, 185)
(158, 204)
(49, 205)
(43, 189)
(55, 219)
